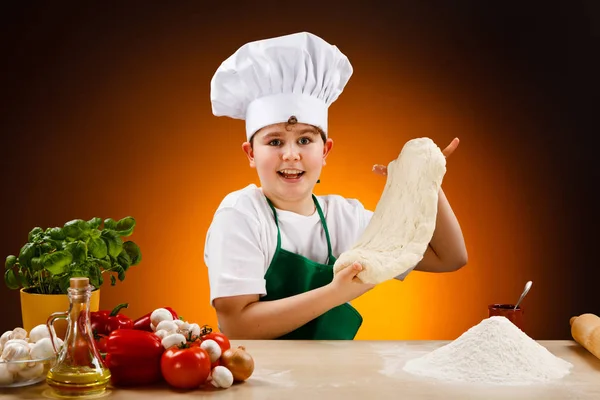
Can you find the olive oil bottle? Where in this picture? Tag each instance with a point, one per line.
(78, 370)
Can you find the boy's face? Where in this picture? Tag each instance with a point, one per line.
(288, 159)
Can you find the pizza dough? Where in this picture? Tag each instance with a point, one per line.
(404, 220)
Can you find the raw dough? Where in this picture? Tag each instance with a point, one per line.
(404, 219)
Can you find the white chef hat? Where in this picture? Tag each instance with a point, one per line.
(267, 81)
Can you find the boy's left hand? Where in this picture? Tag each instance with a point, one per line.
(382, 169)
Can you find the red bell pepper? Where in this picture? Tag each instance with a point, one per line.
(133, 357)
(104, 322)
(143, 322)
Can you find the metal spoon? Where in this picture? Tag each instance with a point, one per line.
(527, 287)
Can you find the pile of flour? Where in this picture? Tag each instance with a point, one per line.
(493, 352)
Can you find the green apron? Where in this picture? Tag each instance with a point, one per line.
(290, 274)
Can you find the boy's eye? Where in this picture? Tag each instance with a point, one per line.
(275, 142)
(304, 140)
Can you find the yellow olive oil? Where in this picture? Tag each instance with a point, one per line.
(78, 382)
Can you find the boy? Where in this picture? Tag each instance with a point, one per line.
(270, 249)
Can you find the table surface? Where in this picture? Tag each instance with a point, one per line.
(358, 369)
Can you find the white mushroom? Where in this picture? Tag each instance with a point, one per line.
(39, 332)
(212, 348)
(42, 349)
(167, 325)
(160, 314)
(173, 339)
(179, 322)
(221, 377)
(194, 329)
(162, 333)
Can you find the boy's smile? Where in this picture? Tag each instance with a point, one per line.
(291, 175)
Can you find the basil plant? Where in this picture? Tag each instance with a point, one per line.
(51, 257)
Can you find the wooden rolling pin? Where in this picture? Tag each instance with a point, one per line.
(585, 330)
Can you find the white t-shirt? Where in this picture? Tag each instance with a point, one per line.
(242, 238)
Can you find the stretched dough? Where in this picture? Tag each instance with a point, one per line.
(404, 220)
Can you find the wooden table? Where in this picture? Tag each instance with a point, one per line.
(288, 370)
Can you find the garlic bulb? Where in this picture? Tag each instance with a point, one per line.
(6, 376)
(32, 371)
(18, 333)
(15, 351)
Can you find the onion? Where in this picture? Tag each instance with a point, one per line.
(239, 362)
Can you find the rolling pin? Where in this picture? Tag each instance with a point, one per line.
(585, 330)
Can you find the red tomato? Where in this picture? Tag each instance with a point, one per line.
(186, 368)
(220, 338)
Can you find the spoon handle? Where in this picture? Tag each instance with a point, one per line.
(527, 287)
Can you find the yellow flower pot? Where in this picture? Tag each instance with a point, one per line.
(36, 308)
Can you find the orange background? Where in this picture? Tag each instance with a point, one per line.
(110, 116)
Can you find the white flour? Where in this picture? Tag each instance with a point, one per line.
(493, 352)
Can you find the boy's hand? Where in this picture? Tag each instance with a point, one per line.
(382, 169)
(347, 285)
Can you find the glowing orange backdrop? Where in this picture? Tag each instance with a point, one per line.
(123, 126)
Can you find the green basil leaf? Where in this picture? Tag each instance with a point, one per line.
(97, 248)
(94, 223)
(32, 236)
(76, 229)
(124, 261)
(133, 251)
(56, 262)
(109, 223)
(26, 254)
(10, 262)
(125, 226)
(113, 242)
(57, 233)
(11, 279)
(78, 250)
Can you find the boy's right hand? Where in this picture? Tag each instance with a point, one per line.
(347, 285)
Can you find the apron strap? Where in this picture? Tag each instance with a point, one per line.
(323, 223)
(276, 223)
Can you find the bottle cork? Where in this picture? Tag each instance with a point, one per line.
(79, 283)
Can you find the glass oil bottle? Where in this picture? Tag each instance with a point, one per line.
(78, 370)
